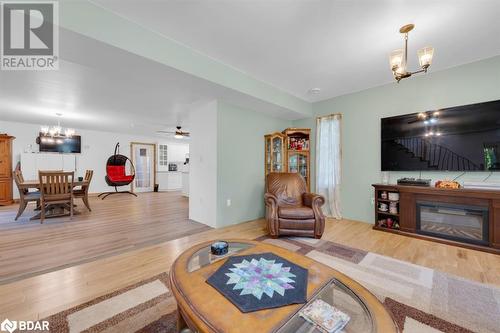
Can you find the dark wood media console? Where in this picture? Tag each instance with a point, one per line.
(463, 217)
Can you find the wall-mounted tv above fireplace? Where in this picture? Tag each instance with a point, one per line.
(59, 144)
(463, 138)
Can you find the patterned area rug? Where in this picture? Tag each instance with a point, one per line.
(421, 300)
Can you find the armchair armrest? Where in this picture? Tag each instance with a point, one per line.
(272, 214)
(270, 199)
(313, 200)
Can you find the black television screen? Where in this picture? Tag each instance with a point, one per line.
(464, 138)
(60, 144)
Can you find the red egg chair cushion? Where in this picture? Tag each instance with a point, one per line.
(116, 173)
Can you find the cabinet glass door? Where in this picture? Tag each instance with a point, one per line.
(268, 155)
(297, 162)
(277, 158)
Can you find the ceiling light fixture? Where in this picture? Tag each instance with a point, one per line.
(399, 58)
(57, 130)
(314, 91)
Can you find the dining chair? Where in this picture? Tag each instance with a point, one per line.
(83, 192)
(25, 196)
(56, 188)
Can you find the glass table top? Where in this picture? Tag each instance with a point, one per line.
(340, 296)
(203, 257)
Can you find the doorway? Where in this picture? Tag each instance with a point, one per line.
(144, 160)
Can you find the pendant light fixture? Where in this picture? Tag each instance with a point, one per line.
(399, 58)
(57, 130)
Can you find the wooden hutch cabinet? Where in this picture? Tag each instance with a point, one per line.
(6, 169)
(289, 152)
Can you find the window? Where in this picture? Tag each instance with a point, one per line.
(162, 152)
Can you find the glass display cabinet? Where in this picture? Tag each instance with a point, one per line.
(275, 153)
(288, 152)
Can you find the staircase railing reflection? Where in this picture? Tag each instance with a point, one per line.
(437, 156)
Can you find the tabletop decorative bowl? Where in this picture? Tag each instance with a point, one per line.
(219, 248)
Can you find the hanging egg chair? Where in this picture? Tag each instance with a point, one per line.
(120, 171)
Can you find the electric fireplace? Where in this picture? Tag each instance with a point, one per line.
(458, 222)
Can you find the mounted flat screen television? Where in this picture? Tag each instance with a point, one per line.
(463, 138)
(59, 144)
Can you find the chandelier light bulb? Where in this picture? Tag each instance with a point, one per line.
(425, 56)
(44, 130)
(57, 129)
(69, 132)
(396, 59)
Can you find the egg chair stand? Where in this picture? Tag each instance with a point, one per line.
(116, 173)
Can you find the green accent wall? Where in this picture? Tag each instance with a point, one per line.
(240, 161)
(467, 84)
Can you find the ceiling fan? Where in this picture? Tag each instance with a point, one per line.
(178, 134)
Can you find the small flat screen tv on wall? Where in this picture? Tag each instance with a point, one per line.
(59, 144)
(463, 138)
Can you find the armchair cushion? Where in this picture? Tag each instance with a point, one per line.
(297, 224)
(295, 213)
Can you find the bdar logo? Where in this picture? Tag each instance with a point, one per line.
(8, 326)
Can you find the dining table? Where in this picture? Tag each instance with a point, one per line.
(56, 209)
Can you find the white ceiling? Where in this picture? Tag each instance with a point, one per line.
(101, 87)
(340, 46)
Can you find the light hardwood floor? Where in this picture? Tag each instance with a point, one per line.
(117, 224)
(40, 296)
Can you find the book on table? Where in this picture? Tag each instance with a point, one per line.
(325, 316)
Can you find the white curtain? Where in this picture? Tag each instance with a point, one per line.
(328, 161)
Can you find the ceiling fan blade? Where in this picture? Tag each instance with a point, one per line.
(166, 132)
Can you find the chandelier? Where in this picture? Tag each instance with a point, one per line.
(56, 130)
(398, 58)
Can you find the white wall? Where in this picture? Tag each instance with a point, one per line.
(97, 147)
(203, 163)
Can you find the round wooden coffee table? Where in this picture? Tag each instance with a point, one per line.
(203, 309)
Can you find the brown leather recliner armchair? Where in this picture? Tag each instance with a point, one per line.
(290, 209)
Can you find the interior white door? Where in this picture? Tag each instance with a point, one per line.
(143, 159)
